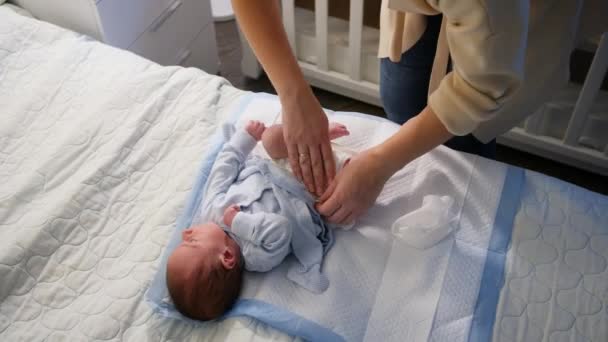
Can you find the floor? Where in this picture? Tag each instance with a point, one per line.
(230, 58)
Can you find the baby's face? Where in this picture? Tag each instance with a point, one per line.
(205, 237)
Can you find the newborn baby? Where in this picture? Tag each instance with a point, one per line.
(257, 214)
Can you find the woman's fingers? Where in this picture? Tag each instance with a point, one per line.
(306, 168)
(340, 215)
(351, 218)
(318, 171)
(294, 161)
(313, 166)
(328, 192)
(330, 206)
(328, 162)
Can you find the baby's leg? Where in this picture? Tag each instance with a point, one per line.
(275, 146)
(274, 143)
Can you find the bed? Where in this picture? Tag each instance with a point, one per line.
(99, 150)
(89, 196)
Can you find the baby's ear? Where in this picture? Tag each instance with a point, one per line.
(228, 259)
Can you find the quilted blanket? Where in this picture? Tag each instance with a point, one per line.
(98, 149)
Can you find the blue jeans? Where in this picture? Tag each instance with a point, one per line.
(404, 88)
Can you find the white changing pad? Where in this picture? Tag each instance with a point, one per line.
(381, 288)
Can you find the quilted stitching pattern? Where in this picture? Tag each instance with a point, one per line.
(98, 149)
(556, 285)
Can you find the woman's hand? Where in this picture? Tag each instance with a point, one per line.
(305, 124)
(305, 129)
(355, 188)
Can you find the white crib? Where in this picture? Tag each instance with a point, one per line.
(340, 56)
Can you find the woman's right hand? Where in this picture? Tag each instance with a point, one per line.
(306, 133)
(355, 188)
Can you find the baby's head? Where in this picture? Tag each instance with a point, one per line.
(204, 273)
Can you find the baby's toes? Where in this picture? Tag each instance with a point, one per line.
(335, 125)
(338, 131)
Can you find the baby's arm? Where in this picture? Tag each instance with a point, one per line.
(268, 238)
(230, 159)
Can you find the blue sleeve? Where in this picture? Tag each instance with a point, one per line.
(226, 167)
(309, 243)
(267, 239)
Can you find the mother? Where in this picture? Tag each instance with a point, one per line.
(503, 59)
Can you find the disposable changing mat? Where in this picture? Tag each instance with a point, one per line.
(382, 288)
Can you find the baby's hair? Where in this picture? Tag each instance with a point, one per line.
(215, 292)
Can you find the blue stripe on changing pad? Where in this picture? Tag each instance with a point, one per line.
(493, 273)
(283, 320)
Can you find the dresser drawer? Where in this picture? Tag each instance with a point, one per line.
(173, 31)
(202, 52)
(124, 21)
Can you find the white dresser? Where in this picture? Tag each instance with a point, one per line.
(169, 32)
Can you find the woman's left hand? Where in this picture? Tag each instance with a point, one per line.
(355, 188)
(306, 133)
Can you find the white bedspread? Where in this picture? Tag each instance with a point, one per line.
(97, 153)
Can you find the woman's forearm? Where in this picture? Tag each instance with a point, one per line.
(416, 137)
(261, 23)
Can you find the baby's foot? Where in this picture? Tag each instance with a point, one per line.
(337, 130)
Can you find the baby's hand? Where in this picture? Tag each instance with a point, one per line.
(230, 213)
(255, 129)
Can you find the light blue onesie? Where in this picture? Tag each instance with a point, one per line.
(277, 213)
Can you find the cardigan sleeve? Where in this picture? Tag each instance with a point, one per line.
(487, 41)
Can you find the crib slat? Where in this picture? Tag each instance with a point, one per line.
(355, 32)
(289, 21)
(588, 93)
(321, 14)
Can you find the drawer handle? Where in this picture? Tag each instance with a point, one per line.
(183, 56)
(163, 17)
